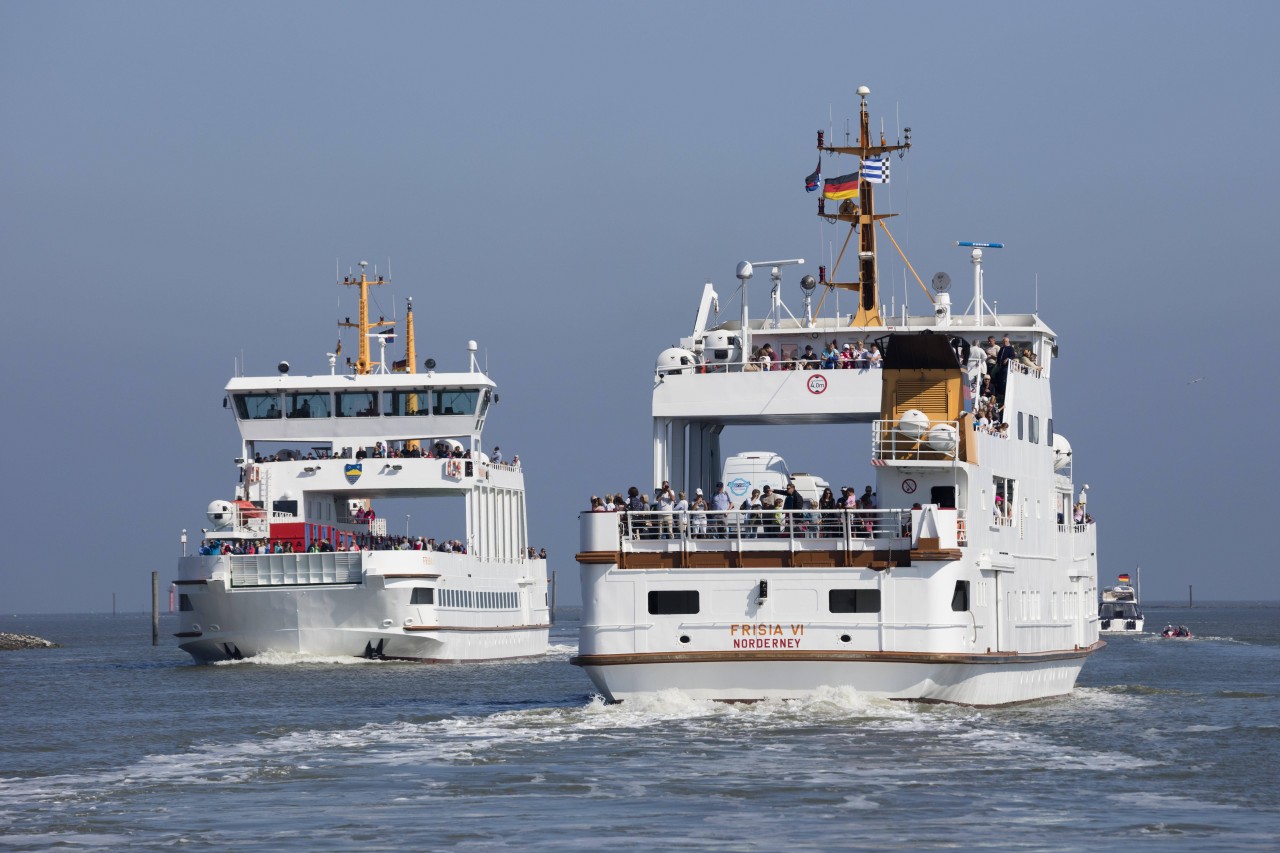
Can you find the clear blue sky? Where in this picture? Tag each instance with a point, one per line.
(557, 180)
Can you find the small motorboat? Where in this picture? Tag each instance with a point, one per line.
(1181, 632)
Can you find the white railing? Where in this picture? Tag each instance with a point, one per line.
(337, 567)
(758, 367)
(939, 441)
(1025, 369)
(376, 526)
(837, 525)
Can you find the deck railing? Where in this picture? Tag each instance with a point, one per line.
(939, 441)
(796, 524)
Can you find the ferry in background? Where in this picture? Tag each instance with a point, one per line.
(300, 560)
(970, 582)
(1119, 612)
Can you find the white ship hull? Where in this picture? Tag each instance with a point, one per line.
(967, 680)
(1122, 626)
(237, 607)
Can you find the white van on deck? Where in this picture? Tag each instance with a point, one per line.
(755, 470)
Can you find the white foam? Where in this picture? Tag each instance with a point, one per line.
(277, 658)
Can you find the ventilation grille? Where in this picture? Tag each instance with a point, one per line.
(928, 396)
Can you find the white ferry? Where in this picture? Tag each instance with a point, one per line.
(1120, 611)
(301, 561)
(970, 582)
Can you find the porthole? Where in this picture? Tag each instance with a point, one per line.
(684, 639)
(845, 638)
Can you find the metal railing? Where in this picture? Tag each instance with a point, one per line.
(376, 526)
(939, 441)
(758, 367)
(337, 567)
(796, 524)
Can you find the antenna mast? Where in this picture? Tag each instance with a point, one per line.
(862, 213)
(363, 364)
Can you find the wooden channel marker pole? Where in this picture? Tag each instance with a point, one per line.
(155, 608)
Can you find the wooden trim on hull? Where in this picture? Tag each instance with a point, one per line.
(746, 559)
(597, 558)
(414, 576)
(189, 583)
(468, 628)
(994, 658)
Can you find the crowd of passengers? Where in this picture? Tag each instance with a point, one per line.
(407, 450)
(766, 512)
(986, 363)
(210, 547)
(854, 356)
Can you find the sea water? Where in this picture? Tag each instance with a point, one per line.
(108, 743)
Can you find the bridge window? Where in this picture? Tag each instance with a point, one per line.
(308, 404)
(257, 406)
(960, 597)
(184, 602)
(414, 401)
(456, 401)
(1033, 429)
(423, 595)
(357, 404)
(854, 601)
(673, 602)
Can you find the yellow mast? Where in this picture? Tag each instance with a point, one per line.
(409, 357)
(409, 360)
(863, 213)
(363, 365)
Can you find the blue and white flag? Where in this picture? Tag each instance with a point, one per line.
(876, 171)
(812, 182)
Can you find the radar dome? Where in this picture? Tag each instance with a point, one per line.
(222, 514)
(1061, 452)
(676, 360)
(913, 423)
(942, 438)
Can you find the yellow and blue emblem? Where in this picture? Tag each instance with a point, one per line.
(352, 472)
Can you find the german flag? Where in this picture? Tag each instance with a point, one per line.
(845, 186)
(1124, 578)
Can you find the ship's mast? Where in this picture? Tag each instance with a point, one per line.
(862, 214)
(363, 364)
(409, 356)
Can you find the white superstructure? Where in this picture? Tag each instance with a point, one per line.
(319, 456)
(970, 582)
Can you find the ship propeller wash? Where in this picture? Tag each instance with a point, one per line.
(300, 560)
(965, 579)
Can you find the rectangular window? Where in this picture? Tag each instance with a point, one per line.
(1048, 432)
(423, 595)
(854, 601)
(408, 402)
(357, 404)
(308, 404)
(256, 407)
(674, 601)
(1033, 429)
(184, 602)
(456, 401)
(960, 597)
(1019, 426)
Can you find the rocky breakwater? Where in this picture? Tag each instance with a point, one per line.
(10, 642)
